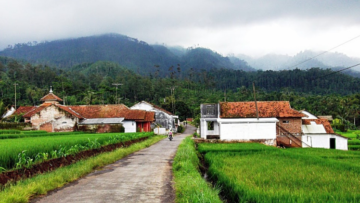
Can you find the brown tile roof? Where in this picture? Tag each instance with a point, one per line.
(51, 97)
(150, 116)
(267, 109)
(324, 122)
(24, 109)
(36, 110)
(100, 111)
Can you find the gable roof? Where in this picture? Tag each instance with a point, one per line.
(51, 97)
(323, 122)
(24, 109)
(267, 109)
(156, 107)
(99, 111)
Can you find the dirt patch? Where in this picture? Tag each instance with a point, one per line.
(49, 165)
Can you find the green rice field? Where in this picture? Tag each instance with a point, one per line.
(250, 172)
(23, 150)
(353, 142)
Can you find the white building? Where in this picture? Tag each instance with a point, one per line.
(317, 133)
(162, 117)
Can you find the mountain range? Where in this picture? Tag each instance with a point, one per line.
(144, 58)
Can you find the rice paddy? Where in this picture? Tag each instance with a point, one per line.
(12, 151)
(249, 172)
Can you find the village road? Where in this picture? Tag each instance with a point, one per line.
(144, 176)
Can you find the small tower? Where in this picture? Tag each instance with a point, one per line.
(51, 98)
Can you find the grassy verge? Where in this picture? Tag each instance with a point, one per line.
(41, 184)
(189, 185)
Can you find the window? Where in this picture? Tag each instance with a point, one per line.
(210, 125)
(286, 121)
(210, 110)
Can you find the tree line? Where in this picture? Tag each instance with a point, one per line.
(180, 92)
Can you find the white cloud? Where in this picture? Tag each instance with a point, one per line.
(255, 27)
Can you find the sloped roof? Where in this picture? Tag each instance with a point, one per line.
(24, 109)
(150, 116)
(323, 122)
(329, 118)
(51, 97)
(157, 107)
(36, 110)
(267, 109)
(99, 111)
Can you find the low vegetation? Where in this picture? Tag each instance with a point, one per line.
(189, 184)
(29, 150)
(41, 184)
(250, 172)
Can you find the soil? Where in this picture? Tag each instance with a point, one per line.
(49, 165)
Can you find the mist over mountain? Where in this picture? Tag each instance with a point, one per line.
(126, 51)
(301, 60)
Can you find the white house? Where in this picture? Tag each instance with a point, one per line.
(238, 121)
(162, 117)
(277, 124)
(317, 133)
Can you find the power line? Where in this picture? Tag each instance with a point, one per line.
(323, 52)
(336, 71)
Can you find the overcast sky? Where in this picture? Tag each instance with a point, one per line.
(251, 27)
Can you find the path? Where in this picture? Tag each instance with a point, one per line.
(144, 176)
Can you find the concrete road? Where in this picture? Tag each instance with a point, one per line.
(144, 176)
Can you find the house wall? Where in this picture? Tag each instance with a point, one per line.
(204, 127)
(130, 126)
(323, 141)
(61, 121)
(294, 125)
(247, 131)
(165, 120)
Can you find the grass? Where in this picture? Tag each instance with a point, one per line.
(41, 184)
(189, 185)
(10, 149)
(349, 134)
(257, 173)
(37, 133)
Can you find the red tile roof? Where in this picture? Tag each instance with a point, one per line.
(24, 109)
(38, 109)
(51, 97)
(100, 111)
(267, 109)
(150, 116)
(323, 122)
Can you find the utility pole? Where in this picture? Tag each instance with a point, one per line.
(257, 112)
(15, 93)
(172, 90)
(116, 84)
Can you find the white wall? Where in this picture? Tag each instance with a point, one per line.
(323, 141)
(160, 131)
(247, 131)
(130, 126)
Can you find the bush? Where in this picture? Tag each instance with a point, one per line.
(180, 129)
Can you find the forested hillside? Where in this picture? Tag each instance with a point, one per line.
(128, 52)
(91, 83)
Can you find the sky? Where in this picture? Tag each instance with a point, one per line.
(251, 27)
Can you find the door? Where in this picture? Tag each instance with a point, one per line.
(332, 143)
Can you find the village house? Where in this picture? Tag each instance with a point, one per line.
(51, 116)
(274, 123)
(163, 118)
